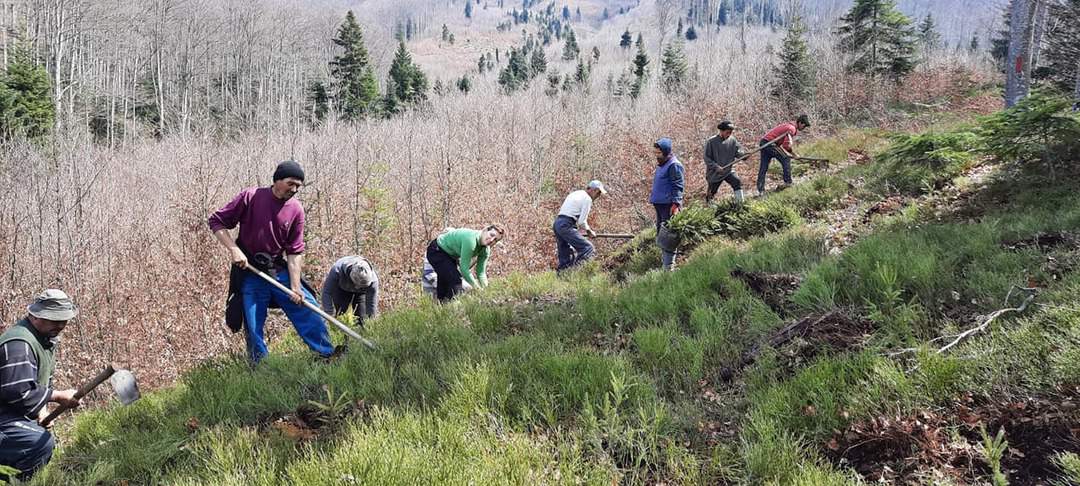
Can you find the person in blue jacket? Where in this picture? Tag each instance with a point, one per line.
(667, 191)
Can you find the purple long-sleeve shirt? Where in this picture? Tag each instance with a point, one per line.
(267, 224)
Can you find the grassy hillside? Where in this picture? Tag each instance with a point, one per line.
(634, 376)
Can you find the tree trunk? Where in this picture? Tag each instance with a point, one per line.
(1019, 53)
(1076, 91)
(1041, 7)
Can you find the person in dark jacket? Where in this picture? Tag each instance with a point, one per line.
(667, 191)
(721, 152)
(781, 139)
(351, 282)
(27, 361)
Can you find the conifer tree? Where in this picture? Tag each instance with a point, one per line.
(566, 12)
(879, 39)
(26, 104)
(570, 47)
(928, 34)
(691, 34)
(538, 62)
(356, 90)
(481, 64)
(318, 102)
(626, 41)
(445, 33)
(679, 29)
(641, 69)
(464, 84)
(468, 9)
(674, 68)
(795, 73)
(581, 75)
(407, 84)
(973, 47)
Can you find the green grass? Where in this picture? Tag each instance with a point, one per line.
(601, 377)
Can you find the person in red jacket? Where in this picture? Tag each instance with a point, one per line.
(783, 136)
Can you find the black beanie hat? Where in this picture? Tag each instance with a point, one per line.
(289, 168)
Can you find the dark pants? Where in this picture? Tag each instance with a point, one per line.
(730, 178)
(572, 247)
(767, 154)
(663, 214)
(26, 446)
(448, 283)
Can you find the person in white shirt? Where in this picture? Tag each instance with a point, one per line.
(573, 248)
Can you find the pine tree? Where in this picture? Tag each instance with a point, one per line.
(973, 47)
(538, 62)
(577, 14)
(674, 68)
(407, 84)
(516, 73)
(796, 78)
(468, 9)
(640, 41)
(928, 34)
(318, 102)
(641, 69)
(357, 91)
(722, 13)
(553, 80)
(570, 48)
(482, 64)
(26, 105)
(581, 75)
(445, 33)
(879, 38)
(566, 12)
(691, 34)
(679, 29)
(596, 54)
(464, 84)
(626, 41)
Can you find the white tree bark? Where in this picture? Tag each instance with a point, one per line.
(1076, 91)
(1019, 53)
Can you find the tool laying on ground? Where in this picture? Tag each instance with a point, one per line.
(123, 384)
(813, 160)
(622, 236)
(345, 329)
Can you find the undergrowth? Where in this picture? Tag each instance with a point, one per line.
(615, 378)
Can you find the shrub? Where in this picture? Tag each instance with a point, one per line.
(1039, 128)
(915, 163)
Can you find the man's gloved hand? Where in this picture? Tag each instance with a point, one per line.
(590, 233)
(675, 208)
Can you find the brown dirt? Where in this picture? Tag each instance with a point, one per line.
(886, 207)
(1043, 241)
(801, 341)
(775, 289)
(910, 449)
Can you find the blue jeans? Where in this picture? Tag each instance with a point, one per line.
(573, 248)
(257, 294)
(767, 154)
(26, 446)
(663, 214)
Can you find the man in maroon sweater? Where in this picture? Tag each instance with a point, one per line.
(781, 138)
(271, 224)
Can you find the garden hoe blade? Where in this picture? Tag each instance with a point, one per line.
(123, 383)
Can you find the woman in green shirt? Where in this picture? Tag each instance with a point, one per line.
(452, 253)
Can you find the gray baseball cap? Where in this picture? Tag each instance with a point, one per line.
(53, 305)
(598, 186)
(358, 276)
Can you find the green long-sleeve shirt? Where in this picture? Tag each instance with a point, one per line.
(464, 244)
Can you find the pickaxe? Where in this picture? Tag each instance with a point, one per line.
(314, 308)
(123, 384)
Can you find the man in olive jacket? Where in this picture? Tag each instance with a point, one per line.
(721, 152)
(27, 361)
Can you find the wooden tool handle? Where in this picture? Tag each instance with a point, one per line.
(81, 392)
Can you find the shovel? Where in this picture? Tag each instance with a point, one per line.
(314, 308)
(123, 384)
(620, 236)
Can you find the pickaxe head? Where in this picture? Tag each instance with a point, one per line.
(123, 383)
